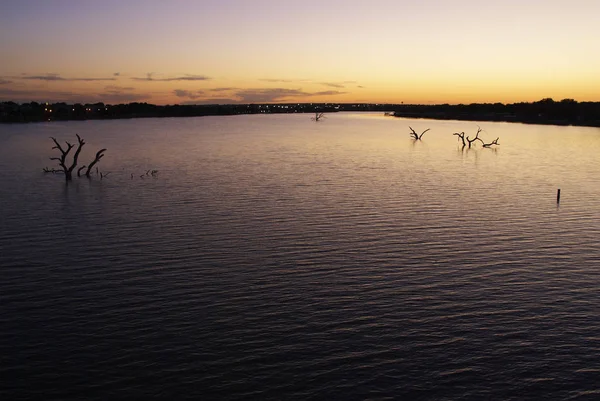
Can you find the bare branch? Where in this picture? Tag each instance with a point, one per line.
(79, 170)
(416, 136)
(99, 155)
(318, 116)
(461, 136)
(488, 145)
(80, 143)
(476, 137)
(63, 156)
(57, 145)
(413, 134)
(52, 170)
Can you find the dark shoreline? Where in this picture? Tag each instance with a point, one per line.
(546, 111)
(543, 112)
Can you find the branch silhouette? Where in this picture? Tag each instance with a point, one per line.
(467, 140)
(416, 136)
(99, 155)
(62, 159)
(64, 153)
(318, 116)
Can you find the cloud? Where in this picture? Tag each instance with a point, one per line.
(188, 94)
(4, 81)
(25, 96)
(57, 77)
(148, 77)
(332, 84)
(338, 84)
(121, 94)
(187, 77)
(222, 89)
(21, 96)
(47, 77)
(328, 93)
(270, 95)
(119, 89)
(116, 74)
(276, 80)
(212, 101)
(279, 80)
(257, 95)
(359, 86)
(114, 97)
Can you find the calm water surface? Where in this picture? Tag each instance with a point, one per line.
(277, 258)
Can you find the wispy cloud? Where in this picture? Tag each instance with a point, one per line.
(119, 89)
(276, 80)
(57, 77)
(342, 84)
(328, 93)
(222, 89)
(4, 81)
(268, 95)
(188, 94)
(212, 101)
(121, 94)
(280, 80)
(20, 95)
(111, 97)
(332, 84)
(115, 97)
(188, 77)
(116, 74)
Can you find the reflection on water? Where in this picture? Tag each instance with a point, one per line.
(273, 257)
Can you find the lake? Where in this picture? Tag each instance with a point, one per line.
(272, 257)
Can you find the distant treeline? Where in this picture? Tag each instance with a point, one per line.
(11, 112)
(546, 111)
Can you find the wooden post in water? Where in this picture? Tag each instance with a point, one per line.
(558, 196)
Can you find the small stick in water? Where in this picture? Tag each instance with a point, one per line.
(558, 196)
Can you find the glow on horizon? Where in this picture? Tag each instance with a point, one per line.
(227, 51)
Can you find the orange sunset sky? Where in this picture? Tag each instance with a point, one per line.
(237, 51)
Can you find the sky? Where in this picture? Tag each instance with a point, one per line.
(288, 51)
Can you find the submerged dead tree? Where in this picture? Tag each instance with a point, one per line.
(64, 152)
(62, 159)
(466, 140)
(318, 116)
(416, 136)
